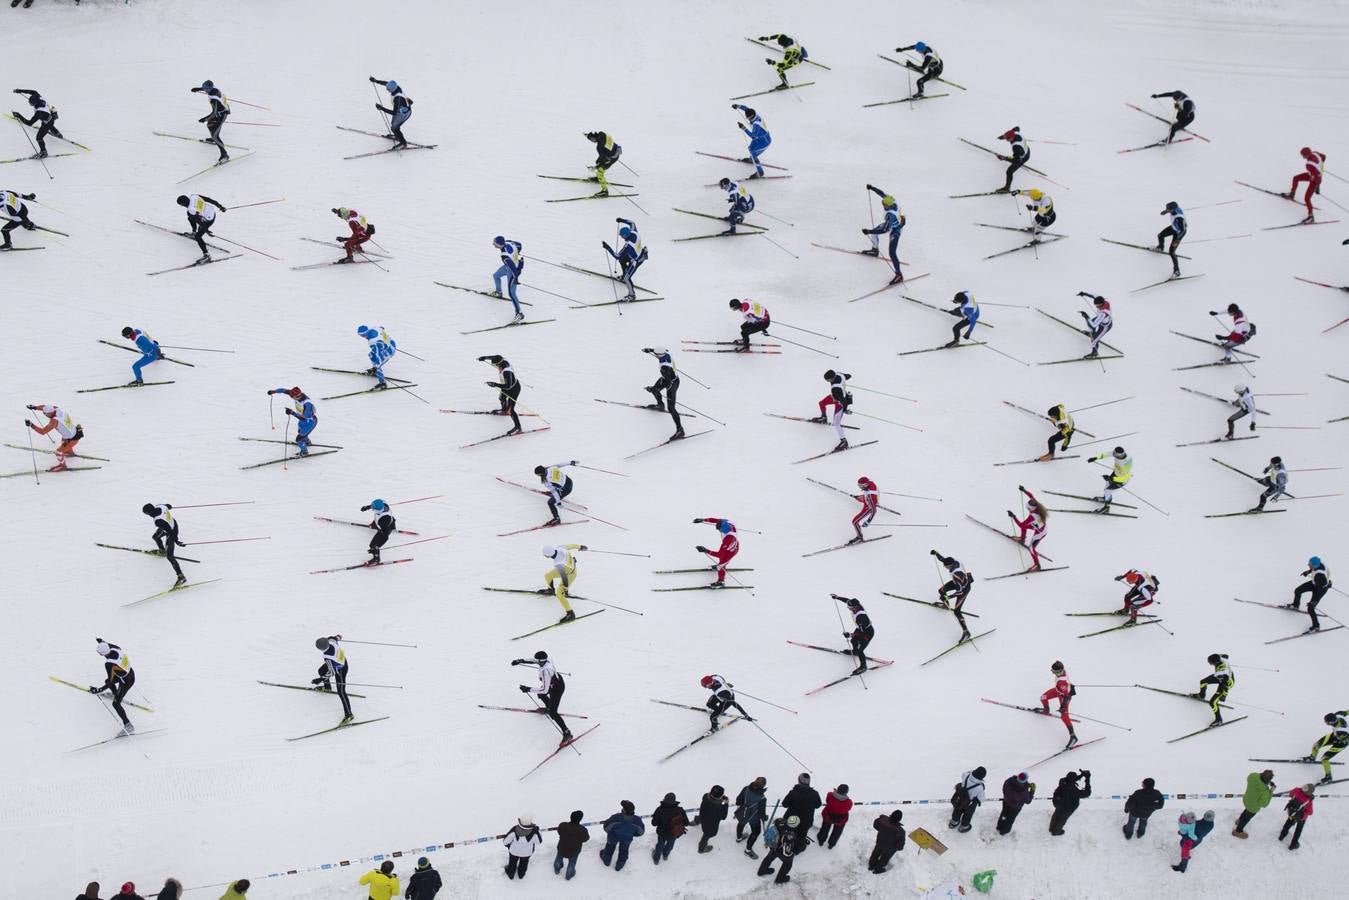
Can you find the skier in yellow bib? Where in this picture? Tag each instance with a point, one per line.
(562, 575)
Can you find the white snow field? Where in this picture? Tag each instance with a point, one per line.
(505, 91)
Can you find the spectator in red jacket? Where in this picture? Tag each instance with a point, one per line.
(1299, 809)
(837, 805)
(730, 546)
(1315, 165)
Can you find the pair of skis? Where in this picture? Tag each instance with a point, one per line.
(876, 664)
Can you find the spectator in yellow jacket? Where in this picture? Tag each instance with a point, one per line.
(237, 890)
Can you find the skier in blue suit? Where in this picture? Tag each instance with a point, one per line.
(148, 347)
(893, 224)
(758, 135)
(382, 349)
(306, 417)
(512, 264)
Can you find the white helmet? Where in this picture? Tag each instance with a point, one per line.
(1240, 388)
(103, 648)
(550, 552)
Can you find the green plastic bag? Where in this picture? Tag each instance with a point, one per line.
(983, 881)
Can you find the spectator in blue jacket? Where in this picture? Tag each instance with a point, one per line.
(621, 828)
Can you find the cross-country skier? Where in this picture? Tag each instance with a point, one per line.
(669, 383)
(1020, 154)
(401, 112)
(46, 114)
(1330, 746)
(1318, 585)
(1242, 331)
(967, 311)
(558, 484)
(166, 535)
(148, 347)
(306, 416)
(1275, 479)
(361, 231)
(334, 668)
(861, 635)
(15, 212)
(730, 546)
(630, 257)
(1315, 165)
(840, 398)
(1043, 206)
(550, 689)
(1223, 680)
(119, 680)
(1184, 112)
(1065, 428)
(607, 152)
(71, 431)
(958, 587)
(1064, 691)
(512, 264)
(756, 320)
(793, 54)
(757, 134)
(741, 202)
(201, 211)
(1121, 470)
(215, 119)
(722, 699)
(931, 67)
(1098, 323)
(508, 389)
(1142, 592)
(382, 349)
(1245, 404)
(893, 225)
(1175, 231)
(1036, 522)
(868, 496)
(562, 575)
(384, 525)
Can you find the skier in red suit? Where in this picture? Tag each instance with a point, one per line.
(730, 546)
(1315, 164)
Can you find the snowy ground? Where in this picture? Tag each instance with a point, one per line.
(506, 91)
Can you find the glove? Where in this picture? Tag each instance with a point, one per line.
(28, 226)
(847, 634)
(95, 690)
(701, 549)
(1119, 577)
(1212, 312)
(524, 689)
(573, 462)
(290, 412)
(932, 552)
(203, 118)
(1084, 315)
(179, 543)
(583, 547)
(370, 229)
(365, 508)
(1022, 489)
(699, 521)
(865, 231)
(336, 212)
(741, 125)
(871, 187)
(644, 350)
(340, 238)
(605, 245)
(374, 80)
(1220, 336)
(1085, 773)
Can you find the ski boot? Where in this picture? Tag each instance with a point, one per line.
(374, 556)
(496, 294)
(717, 584)
(181, 580)
(346, 720)
(820, 420)
(859, 670)
(519, 317)
(898, 279)
(854, 540)
(964, 636)
(678, 435)
(128, 728)
(842, 445)
(382, 386)
(1072, 742)
(1044, 457)
(567, 738)
(716, 726)
(655, 392)
(1092, 355)
(516, 430)
(369, 371)
(874, 251)
(569, 617)
(555, 520)
(954, 343)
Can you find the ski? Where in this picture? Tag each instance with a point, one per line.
(1176, 694)
(1029, 709)
(598, 195)
(287, 459)
(832, 452)
(1248, 512)
(719, 234)
(1221, 440)
(776, 49)
(139, 550)
(1306, 760)
(702, 737)
(173, 590)
(872, 659)
(1303, 222)
(935, 604)
(885, 287)
(456, 287)
(338, 727)
(1219, 346)
(50, 471)
(313, 688)
(591, 180)
(1322, 284)
(537, 710)
(392, 150)
(500, 436)
(795, 419)
(136, 350)
(485, 412)
(977, 194)
(704, 570)
(118, 387)
(198, 264)
(850, 675)
(193, 140)
(666, 443)
(36, 126)
(1029, 244)
(873, 253)
(118, 736)
(852, 543)
(1307, 633)
(1171, 279)
(779, 88)
(340, 261)
(560, 747)
(957, 645)
(1271, 193)
(707, 587)
(1078, 359)
(1210, 727)
(509, 325)
(1118, 627)
(751, 350)
(364, 565)
(557, 624)
(337, 245)
(19, 249)
(548, 524)
(1011, 537)
(989, 150)
(215, 165)
(359, 372)
(740, 159)
(1089, 500)
(648, 406)
(186, 234)
(1024, 229)
(532, 592)
(85, 690)
(1020, 462)
(909, 99)
(289, 443)
(726, 343)
(942, 347)
(1025, 572)
(1113, 612)
(365, 525)
(697, 709)
(1063, 751)
(853, 496)
(636, 287)
(1105, 513)
(1142, 247)
(387, 137)
(36, 156)
(1161, 143)
(1284, 606)
(72, 455)
(1166, 121)
(1209, 365)
(619, 302)
(1216, 397)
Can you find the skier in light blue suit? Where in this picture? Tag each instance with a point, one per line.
(382, 349)
(148, 347)
(758, 135)
(512, 264)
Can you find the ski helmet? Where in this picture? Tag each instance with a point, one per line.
(1306, 151)
(1036, 194)
(1100, 301)
(1276, 460)
(344, 212)
(1215, 659)
(829, 374)
(1053, 411)
(550, 552)
(34, 100)
(1331, 718)
(750, 112)
(323, 643)
(1240, 388)
(724, 527)
(541, 655)
(660, 351)
(1233, 309)
(208, 85)
(706, 681)
(128, 331)
(1314, 562)
(862, 479)
(538, 470)
(793, 821)
(1119, 453)
(182, 200)
(378, 505)
(150, 509)
(1056, 667)
(961, 297)
(103, 647)
(363, 330)
(295, 392)
(784, 41)
(853, 603)
(391, 86)
(1172, 206)
(499, 241)
(735, 303)
(920, 47)
(625, 232)
(724, 183)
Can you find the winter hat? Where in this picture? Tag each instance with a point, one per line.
(979, 772)
(760, 782)
(1309, 789)
(1187, 818)
(718, 790)
(1022, 777)
(841, 790)
(386, 867)
(423, 863)
(897, 816)
(129, 888)
(576, 816)
(628, 807)
(1149, 783)
(526, 821)
(669, 798)
(803, 778)
(242, 885)
(1208, 815)
(91, 890)
(1267, 776)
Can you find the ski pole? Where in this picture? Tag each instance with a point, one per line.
(989, 346)
(244, 246)
(1007, 305)
(591, 515)
(780, 247)
(258, 124)
(377, 644)
(407, 389)
(1254, 668)
(260, 202)
(806, 346)
(394, 687)
(769, 702)
(628, 167)
(413, 355)
(910, 496)
(1101, 721)
(198, 349)
(611, 606)
(285, 445)
(619, 553)
(28, 138)
(1253, 706)
(417, 500)
(264, 108)
(684, 372)
(227, 541)
(1159, 509)
(887, 421)
(613, 284)
(780, 747)
(551, 294)
(422, 541)
(882, 393)
(698, 413)
(605, 471)
(1105, 686)
(775, 218)
(33, 453)
(1113, 437)
(1098, 405)
(806, 330)
(271, 410)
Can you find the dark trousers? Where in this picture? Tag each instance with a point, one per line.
(1305, 588)
(1182, 120)
(607, 854)
(784, 869)
(829, 833)
(754, 825)
(517, 866)
(325, 673)
(1244, 819)
(1007, 817)
(47, 127)
(664, 844)
(379, 540)
(1232, 420)
(1296, 826)
(962, 815)
(1059, 437)
(508, 401)
(1017, 162)
(169, 548)
(1141, 823)
(669, 401)
(929, 73)
(561, 495)
(552, 700)
(120, 686)
(1060, 818)
(213, 126)
(200, 228)
(879, 860)
(748, 328)
(859, 649)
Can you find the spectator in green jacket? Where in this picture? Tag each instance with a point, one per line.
(237, 890)
(1259, 791)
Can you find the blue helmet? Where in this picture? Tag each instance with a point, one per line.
(625, 232)
(921, 47)
(378, 505)
(364, 330)
(207, 85)
(1314, 562)
(391, 85)
(498, 240)
(724, 527)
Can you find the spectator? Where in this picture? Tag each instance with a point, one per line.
(1187, 841)
(90, 892)
(621, 828)
(1142, 803)
(237, 890)
(889, 841)
(670, 823)
(521, 842)
(172, 890)
(802, 801)
(1017, 791)
(1202, 827)
(1067, 797)
(424, 883)
(969, 794)
(570, 836)
(382, 881)
(751, 807)
(1259, 791)
(1299, 809)
(710, 814)
(128, 891)
(837, 805)
(790, 838)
